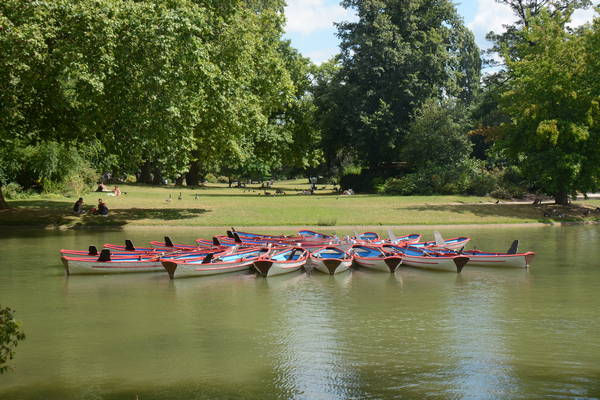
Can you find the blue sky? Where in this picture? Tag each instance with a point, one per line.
(310, 23)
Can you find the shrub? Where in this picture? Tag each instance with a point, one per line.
(130, 179)
(210, 178)
(223, 179)
(362, 183)
(351, 170)
(501, 193)
(12, 191)
(482, 183)
(52, 167)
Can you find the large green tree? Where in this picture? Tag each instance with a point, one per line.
(168, 85)
(554, 105)
(396, 56)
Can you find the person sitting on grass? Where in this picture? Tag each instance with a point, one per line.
(78, 207)
(102, 208)
(117, 191)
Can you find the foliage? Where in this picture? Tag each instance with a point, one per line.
(210, 178)
(11, 334)
(155, 83)
(54, 167)
(13, 191)
(553, 102)
(437, 136)
(395, 57)
(469, 176)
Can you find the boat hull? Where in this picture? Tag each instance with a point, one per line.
(446, 264)
(501, 261)
(273, 268)
(387, 264)
(181, 270)
(330, 266)
(110, 267)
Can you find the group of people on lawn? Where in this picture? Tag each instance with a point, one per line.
(100, 209)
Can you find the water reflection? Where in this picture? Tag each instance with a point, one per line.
(413, 334)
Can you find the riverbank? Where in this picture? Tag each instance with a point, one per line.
(217, 206)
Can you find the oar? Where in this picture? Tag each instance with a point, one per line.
(207, 258)
(514, 247)
(129, 245)
(293, 252)
(237, 237)
(92, 251)
(438, 238)
(391, 236)
(104, 255)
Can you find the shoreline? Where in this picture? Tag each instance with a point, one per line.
(309, 227)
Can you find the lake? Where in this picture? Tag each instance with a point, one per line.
(482, 334)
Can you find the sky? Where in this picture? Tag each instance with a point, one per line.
(311, 30)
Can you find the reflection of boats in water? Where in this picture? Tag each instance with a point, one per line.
(80, 284)
(331, 282)
(285, 281)
(375, 280)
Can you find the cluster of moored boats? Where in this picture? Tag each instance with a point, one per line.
(271, 255)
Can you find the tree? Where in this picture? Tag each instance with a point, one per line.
(553, 102)
(10, 336)
(126, 78)
(437, 136)
(396, 56)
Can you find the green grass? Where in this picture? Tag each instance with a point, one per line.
(217, 205)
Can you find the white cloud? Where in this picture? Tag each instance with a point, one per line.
(320, 56)
(580, 17)
(308, 16)
(490, 16)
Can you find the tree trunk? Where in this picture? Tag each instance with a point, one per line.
(561, 198)
(3, 204)
(145, 173)
(157, 178)
(193, 175)
(179, 180)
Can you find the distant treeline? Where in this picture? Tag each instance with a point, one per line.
(189, 89)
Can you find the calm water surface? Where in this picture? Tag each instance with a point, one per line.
(483, 334)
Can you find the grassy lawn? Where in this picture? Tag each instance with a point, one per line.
(217, 205)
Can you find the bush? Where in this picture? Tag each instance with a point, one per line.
(362, 183)
(52, 167)
(468, 176)
(12, 191)
(130, 179)
(510, 184)
(351, 170)
(210, 178)
(223, 179)
(482, 183)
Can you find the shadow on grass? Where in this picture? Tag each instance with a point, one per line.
(56, 214)
(520, 211)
